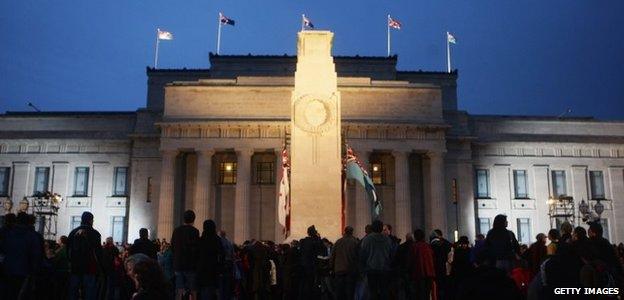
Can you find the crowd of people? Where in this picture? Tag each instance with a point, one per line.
(207, 265)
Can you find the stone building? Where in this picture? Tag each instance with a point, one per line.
(210, 140)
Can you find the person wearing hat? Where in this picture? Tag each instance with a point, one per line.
(85, 257)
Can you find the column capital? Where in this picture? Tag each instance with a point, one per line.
(205, 152)
(245, 152)
(435, 154)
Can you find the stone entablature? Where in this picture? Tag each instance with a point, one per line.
(555, 150)
(63, 147)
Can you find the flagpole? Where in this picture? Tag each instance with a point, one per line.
(219, 35)
(156, 54)
(448, 53)
(388, 30)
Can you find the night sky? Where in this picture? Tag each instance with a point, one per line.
(514, 57)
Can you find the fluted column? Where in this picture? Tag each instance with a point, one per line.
(242, 201)
(363, 205)
(435, 206)
(402, 193)
(203, 185)
(165, 203)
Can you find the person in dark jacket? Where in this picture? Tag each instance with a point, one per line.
(184, 243)
(310, 248)
(23, 252)
(460, 266)
(343, 262)
(604, 250)
(441, 249)
(85, 257)
(375, 257)
(400, 264)
(536, 254)
(144, 245)
(501, 244)
(210, 262)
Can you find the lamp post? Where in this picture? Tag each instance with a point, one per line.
(586, 211)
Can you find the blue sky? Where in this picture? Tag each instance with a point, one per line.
(514, 57)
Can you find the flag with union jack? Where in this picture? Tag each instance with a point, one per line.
(284, 194)
(392, 23)
(225, 20)
(307, 23)
(355, 170)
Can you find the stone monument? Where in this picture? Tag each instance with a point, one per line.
(315, 139)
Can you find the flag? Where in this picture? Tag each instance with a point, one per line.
(284, 195)
(307, 23)
(225, 20)
(165, 35)
(356, 171)
(451, 39)
(392, 23)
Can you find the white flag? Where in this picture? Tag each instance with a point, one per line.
(165, 35)
(451, 38)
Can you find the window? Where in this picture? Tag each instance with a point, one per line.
(559, 183)
(227, 173)
(596, 183)
(5, 173)
(42, 174)
(81, 181)
(484, 225)
(524, 230)
(379, 173)
(520, 184)
(117, 229)
(483, 183)
(75, 222)
(148, 198)
(264, 173)
(120, 181)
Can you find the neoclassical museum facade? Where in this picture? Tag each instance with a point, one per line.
(211, 140)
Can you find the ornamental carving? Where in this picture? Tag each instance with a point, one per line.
(315, 113)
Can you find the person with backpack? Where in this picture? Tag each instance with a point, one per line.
(85, 257)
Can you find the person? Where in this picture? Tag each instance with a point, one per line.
(291, 271)
(501, 244)
(259, 270)
(110, 256)
(210, 261)
(61, 269)
(604, 250)
(536, 254)
(400, 264)
(184, 242)
(85, 258)
(460, 265)
(421, 266)
(165, 261)
(144, 245)
(375, 257)
(488, 281)
(310, 248)
(148, 280)
(343, 263)
(226, 283)
(566, 232)
(441, 249)
(478, 247)
(23, 252)
(553, 237)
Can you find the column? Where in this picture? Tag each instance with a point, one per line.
(616, 181)
(203, 185)
(165, 203)
(435, 206)
(363, 205)
(242, 201)
(402, 193)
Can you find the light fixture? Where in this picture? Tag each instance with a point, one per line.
(228, 167)
(375, 168)
(599, 208)
(584, 207)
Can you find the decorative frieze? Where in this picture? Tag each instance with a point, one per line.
(562, 151)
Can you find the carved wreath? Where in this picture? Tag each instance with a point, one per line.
(314, 113)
